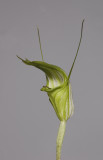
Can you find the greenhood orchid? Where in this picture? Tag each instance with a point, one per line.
(59, 91)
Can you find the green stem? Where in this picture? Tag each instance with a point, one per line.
(60, 137)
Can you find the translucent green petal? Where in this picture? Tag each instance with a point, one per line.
(61, 99)
(55, 75)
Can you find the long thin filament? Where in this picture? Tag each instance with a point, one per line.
(77, 51)
(40, 43)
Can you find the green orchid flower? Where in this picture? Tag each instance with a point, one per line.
(59, 91)
(58, 88)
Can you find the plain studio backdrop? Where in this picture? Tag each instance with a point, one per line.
(28, 123)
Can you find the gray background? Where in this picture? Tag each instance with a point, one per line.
(28, 124)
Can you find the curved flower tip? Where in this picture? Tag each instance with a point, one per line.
(55, 76)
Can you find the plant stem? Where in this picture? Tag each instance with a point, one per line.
(60, 137)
